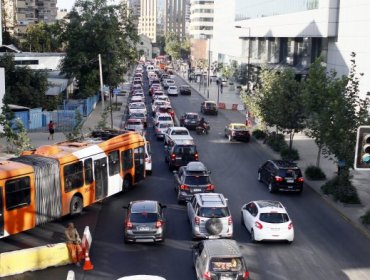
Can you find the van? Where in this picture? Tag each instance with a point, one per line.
(219, 259)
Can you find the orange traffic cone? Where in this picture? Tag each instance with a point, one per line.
(88, 265)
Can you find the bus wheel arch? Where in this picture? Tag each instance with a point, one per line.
(76, 204)
(127, 183)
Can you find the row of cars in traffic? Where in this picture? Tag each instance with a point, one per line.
(217, 256)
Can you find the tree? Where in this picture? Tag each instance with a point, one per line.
(280, 101)
(346, 112)
(24, 87)
(173, 45)
(94, 28)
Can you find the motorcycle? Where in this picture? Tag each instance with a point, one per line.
(200, 130)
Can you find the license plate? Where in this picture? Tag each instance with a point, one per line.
(143, 228)
(178, 157)
(226, 278)
(213, 237)
(197, 190)
(290, 180)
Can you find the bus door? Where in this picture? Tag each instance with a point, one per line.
(139, 161)
(1, 213)
(101, 178)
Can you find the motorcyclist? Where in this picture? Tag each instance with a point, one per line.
(202, 123)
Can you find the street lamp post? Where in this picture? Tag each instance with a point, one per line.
(249, 51)
(209, 62)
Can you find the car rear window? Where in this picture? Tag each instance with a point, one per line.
(197, 180)
(290, 173)
(180, 132)
(185, 150)
(226, 264)
(274, 218)
(210, 105)
(214, 212)
(165, 118)
(192, 117)
(165, 125)
(143, 217)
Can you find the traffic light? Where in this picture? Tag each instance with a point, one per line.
(362, 155)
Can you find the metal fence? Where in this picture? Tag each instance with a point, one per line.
(66, 118)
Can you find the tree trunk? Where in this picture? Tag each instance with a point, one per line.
(318, 156)
(291, 136)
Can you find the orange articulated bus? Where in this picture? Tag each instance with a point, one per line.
(55, 180)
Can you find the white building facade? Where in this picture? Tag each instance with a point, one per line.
(148, 19)
(201, 18)
(295, 32)
(175, 17)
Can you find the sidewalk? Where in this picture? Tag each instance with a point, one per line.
(308, 152)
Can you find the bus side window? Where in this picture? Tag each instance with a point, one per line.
(88, 171)
(73, 176)
(17, 193)
(113, 163)
(127, 160)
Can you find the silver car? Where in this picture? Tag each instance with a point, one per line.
(145, 222)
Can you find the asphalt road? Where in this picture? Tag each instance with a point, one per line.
(325, 246)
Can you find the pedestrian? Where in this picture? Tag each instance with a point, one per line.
(221, 86)
(51, 127)
(73, 243)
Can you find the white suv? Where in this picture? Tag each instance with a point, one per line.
(210, 216)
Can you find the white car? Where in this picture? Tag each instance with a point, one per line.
(162, 117)
(137, 107)
(172, 90)
(161, 127)
(175, 133)
(137, 98)
(267, 220)
(135, 125)
(168, 82)
(158, 103)
(162, 97)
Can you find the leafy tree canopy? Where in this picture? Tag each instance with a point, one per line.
(98, 28)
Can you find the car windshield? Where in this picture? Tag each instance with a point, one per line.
(197, 180)
(180, 132)
(137, 115)
(143, 217)
(274, 218)
(225, 264)
(213, 212)
(240, 127)
(165, 118)
(172, 87)
(192, 117)
(137, 105)
(210, 105)
(165, 125)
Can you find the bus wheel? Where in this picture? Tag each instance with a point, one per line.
(76, 205)
(127, 184)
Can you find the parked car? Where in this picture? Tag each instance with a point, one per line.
(172, 90)
(191, 179)
(281, 175)
(267, 220)
(209, 216)
(189, 120)
(145, 221)
(219, 259)
(180, 152)
(161, 127)
(185, 90)
(209, 107)
(237, 131)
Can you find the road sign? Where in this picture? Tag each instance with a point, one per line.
(362, 154)
(116, 91)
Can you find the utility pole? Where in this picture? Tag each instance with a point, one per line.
(101, 82)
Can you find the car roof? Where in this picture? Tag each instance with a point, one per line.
(163, 115)
(268, 204)
(211, 199)
(285, 164)
(233, 124)
(222, 248)
(139, 206)
(191, 113)
(210, 101)
(184, 140)
(180, 128)
(132, 120)
(196, 166)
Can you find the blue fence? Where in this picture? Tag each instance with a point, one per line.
(65, 118)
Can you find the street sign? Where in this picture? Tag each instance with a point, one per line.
(116, 91)
(362, 154)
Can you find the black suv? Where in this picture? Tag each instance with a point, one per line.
(189, 120)
(209, 107)
(281, 175)
(185, 90)
(180, 152)
(191, 179)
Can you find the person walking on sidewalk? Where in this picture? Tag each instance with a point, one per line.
(73, 243)
(51, 127)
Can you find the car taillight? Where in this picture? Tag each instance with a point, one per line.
(196, 156)
(207, 275)
(229, 221)
(246, 275)
(258, 225)
(300, 180)
(278, 179)
(197, 220)
(128, 224)
(184, 187)
(158, 224)
(173, 156)
(210, 187)
(290, 226)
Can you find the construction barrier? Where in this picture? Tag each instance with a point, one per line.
(234, 107)
(20, 261)
(221, 106)
(86, 245)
